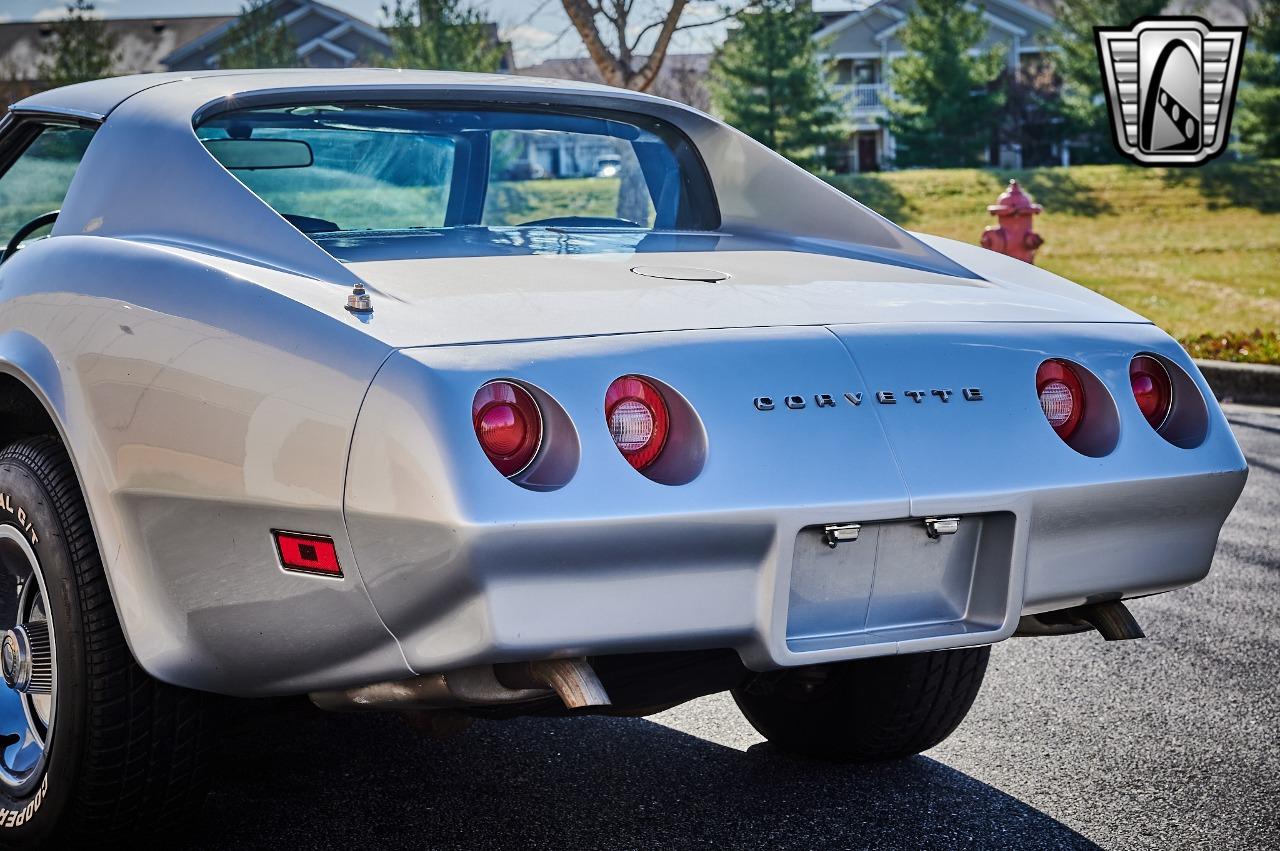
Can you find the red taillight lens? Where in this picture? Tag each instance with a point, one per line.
(307, 553)
(1061, 396)
(1151, 389)
(638, 419)
(508, 425)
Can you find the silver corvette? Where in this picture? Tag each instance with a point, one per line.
(486, 396)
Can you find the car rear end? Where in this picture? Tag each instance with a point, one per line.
(493, 397)
(708, 402)
(821, 493)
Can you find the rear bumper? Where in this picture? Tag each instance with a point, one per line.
(762, 584)
(466, 568)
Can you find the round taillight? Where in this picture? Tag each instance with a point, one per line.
(638, 419)
(1061, 396)
(1152, 389)
(508, 425)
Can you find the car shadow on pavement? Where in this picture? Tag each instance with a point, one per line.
(300, 778)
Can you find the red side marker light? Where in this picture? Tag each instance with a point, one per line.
(305, 553)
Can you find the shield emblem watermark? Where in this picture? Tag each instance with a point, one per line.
(1170, 85)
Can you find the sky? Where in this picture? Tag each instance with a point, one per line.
(537, 29)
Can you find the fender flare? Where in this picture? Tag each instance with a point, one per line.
(26, 359)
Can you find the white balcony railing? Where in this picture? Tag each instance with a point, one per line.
(864, 97)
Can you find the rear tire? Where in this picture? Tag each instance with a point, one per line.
(119, 752)
(866, 710)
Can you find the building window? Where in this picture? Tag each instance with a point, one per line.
(866, 72)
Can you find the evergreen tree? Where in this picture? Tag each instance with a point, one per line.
(945, 104)
(81, 48)
(1258, 119)
(258, 40)
(1083, 105)
(1032, 115)
(446, 35)
(766, 80)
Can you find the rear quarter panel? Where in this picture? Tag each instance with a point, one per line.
(202, 410)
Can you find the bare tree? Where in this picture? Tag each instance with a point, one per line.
(620, 64)
(614, 31)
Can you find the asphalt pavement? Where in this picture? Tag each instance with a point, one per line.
(1169, 742)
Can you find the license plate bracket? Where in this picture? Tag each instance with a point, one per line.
(899, 579)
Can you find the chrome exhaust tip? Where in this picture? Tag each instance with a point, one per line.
(573, 680)
(1112, 619)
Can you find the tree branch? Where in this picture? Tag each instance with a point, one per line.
(720, 20)
(583, 16)
(635, 43)
(648, 72)
(615, 65)
(622, 11)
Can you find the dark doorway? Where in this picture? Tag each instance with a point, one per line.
(867, 158)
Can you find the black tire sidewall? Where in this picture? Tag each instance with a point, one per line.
(27, 505)
(871, 710)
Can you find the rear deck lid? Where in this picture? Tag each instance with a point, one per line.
(535, 284)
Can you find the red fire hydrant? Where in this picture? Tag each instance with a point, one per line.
(1014, 236)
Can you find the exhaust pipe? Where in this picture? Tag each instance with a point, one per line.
(465, 687)
(573, 680)
(1112, 620)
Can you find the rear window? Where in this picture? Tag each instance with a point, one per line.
(371, 169)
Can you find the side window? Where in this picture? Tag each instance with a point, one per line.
(37, 182)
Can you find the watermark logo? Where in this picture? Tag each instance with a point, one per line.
(1170, 85)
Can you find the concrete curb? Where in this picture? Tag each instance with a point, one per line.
(1247, 383)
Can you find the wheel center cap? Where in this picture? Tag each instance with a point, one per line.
(26, 658)
(13, 661)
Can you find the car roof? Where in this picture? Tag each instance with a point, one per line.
(150, 128)
(95, 100)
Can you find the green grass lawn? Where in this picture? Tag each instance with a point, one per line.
(1195, 250)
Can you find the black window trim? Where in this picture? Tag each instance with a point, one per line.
(21, 127)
